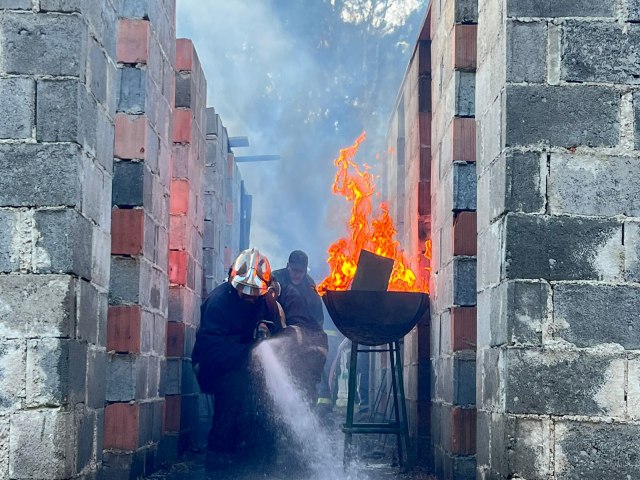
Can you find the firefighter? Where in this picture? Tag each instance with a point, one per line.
(309, 353)
(233, 317)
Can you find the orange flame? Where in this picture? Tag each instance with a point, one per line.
(375, 235)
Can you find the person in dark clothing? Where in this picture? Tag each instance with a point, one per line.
(233, 316)
(295, 274)
(309, 355)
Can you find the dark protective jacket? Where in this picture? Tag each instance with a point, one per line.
(226, 334)
(307, 290)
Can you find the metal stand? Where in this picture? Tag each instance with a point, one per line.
(399, 427)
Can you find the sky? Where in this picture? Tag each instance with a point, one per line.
(302, 79)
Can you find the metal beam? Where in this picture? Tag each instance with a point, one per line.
(257, 158)
(238, 142)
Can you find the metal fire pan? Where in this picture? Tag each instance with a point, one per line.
(375, 318)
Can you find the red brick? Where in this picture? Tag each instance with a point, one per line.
(231, 164)
(463, 428)
(178, 267)
(465, 47)
(133, 41)
(181, 125)
(123, 328)
(179, 197)
(227, 257)
(130, 136)
(172, 413)
(127, 231)
(424, 197)
(464, 139)
(175, 339)
(184, 54)
(463, 328)
(424, 120)
(229, 212)
(178, 232)
(465, 236)
(121, 426)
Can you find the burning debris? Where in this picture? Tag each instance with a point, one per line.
(376, 235)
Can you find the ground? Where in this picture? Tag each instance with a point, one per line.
(376, 457)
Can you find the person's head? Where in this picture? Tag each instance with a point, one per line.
(250, 274)
(297, 266)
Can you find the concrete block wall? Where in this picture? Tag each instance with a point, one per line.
(137, 371)
(185, 244)
(215, 269)
(558, 139)
(407, 168)
(56, 150)
(453, 226)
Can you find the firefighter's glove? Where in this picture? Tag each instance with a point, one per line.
(263, 330)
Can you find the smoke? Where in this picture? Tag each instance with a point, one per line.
(301, 79)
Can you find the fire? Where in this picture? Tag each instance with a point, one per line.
(376, 235)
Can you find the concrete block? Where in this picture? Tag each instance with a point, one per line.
(64, 240)
(43, 44)
(632, 251)
(633, 9)
(525, 183)
(526, 52)
(517, 312)
(100, 74)
(560, 8)
(101, 260)
(565, 248)
(24, 166)
(16, 4)
(174, 377)
(600, 52)
(42, 444)
(135, 9)
(636, 116)
(466, 11)
(56, 372)
(17, 107)
(133, 83)
(551, 116)
(124, 286)
(568, 382)
(596, 450)
(118, 465)
(519, 447)
(66, 6)
(9, 240)
(464, 186)
(465, 94)
(183, 89)
(578, 314)
(123, 378)
(37, 305)
(12, 375)
(464, 379)
(128, 186)
(85, 425)
(96, 378)
(464, 282)
(58, 99)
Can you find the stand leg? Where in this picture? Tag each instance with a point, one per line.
(396, 400)
(351, 398)
(403, 406)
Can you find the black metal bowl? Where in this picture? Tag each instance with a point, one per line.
(375, 318)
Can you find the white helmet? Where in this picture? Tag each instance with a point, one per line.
(251, 273)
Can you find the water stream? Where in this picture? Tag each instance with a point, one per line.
(321, 450)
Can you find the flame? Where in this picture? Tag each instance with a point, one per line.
(377, 235)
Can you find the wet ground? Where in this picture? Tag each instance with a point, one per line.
(376, 460)
(191, 467)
